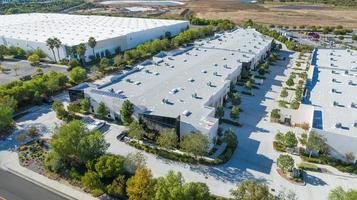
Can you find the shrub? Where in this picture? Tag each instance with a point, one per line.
(109, 166)
(307, 166)
(53, 162)
(275, 115)
(279, 146)
(91, 181)
(73, 107)
(117, 187)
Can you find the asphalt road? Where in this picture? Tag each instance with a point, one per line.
(13, 187)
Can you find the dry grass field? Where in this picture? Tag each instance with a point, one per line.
(279, 14)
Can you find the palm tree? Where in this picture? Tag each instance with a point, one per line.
(92, 43)
(81, 50)
(51, 44)
(57, 44)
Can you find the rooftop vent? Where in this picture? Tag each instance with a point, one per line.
(137, 83)
(335, 103)
(215, 64)
(174, 91)
(334, 80)
(353, 105)
(346, 72)
(338, 125)
(355, 124)
(156, 73)
(194, 95)
(204, 71)
(165, 101)
(191, 80)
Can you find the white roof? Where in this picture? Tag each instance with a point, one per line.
(73, 29)
(336, 70)
(204, 69)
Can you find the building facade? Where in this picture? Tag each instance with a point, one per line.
(181, 89)
(30, 31)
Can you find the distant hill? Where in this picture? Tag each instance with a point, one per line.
(330, 2)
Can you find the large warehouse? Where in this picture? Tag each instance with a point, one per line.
(30, 31)
(181, 88)
(332, 91)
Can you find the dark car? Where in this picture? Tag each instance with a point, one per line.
(122, 135)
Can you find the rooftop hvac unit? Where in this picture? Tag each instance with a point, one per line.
(353, 105)
(350, 82)
(186, 113)
(335, 103)
(334, 80)
(338, 125)
(194, 95)
(346, 72)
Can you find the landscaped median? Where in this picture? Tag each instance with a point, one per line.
(177, 155)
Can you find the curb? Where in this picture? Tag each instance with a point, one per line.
(62, 194)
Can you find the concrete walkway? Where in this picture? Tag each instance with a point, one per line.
(9, 162)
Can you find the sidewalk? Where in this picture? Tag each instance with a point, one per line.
(9, 161)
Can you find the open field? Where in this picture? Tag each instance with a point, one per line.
(282, 14)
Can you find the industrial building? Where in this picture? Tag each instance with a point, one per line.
(332, 91)
(30, 31)
(180, 89)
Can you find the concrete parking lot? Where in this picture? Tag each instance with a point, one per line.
(23, 69)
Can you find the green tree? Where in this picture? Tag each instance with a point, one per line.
(117, 187)
(168, 139)
(75, 145)
(169, 187)
(284, 93)
(251, 190)
(92, 43)
(134, 161)
(196, 191)
(235, 112)
(51, 44)
(290, 140)
(72, 64)
(91, 181)
(58, 107)
(78, 75)
(285, 162)
(135, 130)
(110, 166)
(101, 111)
(118, 60)
(81, 51)
(103, 64)
(340, 194)
(249, 85)
(140, 186)
(34, 59)
(236, 99)
(85, 105)
(195, 143)
(219, 111)
(8, 101)
(5, 117)
(57, 44)
(290, 82)
(126, 112)
(354, 37)
(316, 143)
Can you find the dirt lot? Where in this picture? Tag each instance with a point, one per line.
(284, 14)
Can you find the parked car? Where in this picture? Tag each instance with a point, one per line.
(100, 125)
(122, 136)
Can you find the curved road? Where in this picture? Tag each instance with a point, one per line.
(13, 187)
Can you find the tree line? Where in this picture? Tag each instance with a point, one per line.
(40, 7)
